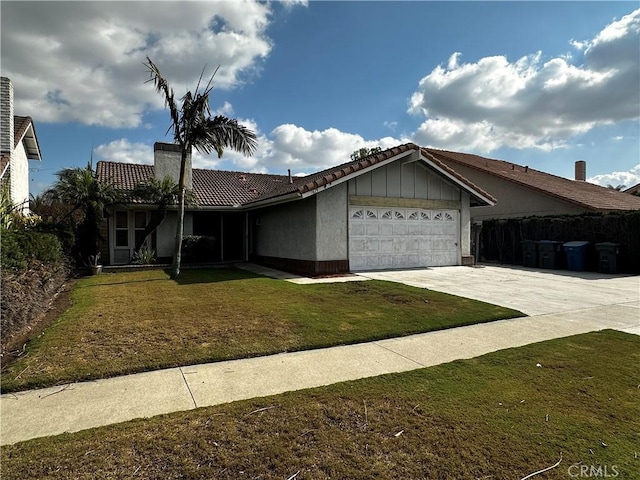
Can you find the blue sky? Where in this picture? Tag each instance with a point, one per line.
(536, 83)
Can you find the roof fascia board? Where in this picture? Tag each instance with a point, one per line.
(30, 140)
(353, 175)
(465, 187)
(289, 197)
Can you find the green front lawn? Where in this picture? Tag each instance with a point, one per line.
(499, 416)
(138, 321)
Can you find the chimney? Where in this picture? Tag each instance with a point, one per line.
(166, 161)
(581, 171)
(290, 178)
(6, 115)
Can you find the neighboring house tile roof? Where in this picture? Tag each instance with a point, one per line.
(584, 194)
(633, 190)
(218, 188)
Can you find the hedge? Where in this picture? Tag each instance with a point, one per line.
(501, 240)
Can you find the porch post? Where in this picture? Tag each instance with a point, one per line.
(221, 237)
(246, 236)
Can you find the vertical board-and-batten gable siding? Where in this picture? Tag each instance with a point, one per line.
(399, 179)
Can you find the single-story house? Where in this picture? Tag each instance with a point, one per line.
(399, 208)
(18, 145)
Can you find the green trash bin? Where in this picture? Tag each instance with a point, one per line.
(529, 253)
(549, 252)
(608, 257)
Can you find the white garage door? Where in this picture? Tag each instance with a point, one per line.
(382, 238)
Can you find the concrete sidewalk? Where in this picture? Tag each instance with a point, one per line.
(78, 406)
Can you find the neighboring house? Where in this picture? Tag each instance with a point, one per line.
(635, 190)
(399, 208)
(18, 145)
(523, 191)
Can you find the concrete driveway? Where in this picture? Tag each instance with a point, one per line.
(532, 291)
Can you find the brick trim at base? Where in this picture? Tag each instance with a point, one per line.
(309, 268)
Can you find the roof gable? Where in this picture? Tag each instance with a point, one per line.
(24, 131)
(584, 194)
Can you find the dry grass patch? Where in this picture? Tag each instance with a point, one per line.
(495, 417)
(139, 321)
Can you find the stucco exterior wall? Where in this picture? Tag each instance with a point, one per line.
(514, 200)
(166, 233)
(167, 162)
(20, 177)
(287, 230)
(332, 231)
(465, 225)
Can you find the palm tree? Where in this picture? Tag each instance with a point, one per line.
(162, 193)
(193, 127)
(81, 189)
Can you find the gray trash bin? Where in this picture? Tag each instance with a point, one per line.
(608, 257)
(549, 253)
(529, 253)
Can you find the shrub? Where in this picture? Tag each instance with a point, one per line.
(23, 246)
(198, 248)
(144, 256)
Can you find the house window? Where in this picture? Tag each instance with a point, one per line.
(122, 229)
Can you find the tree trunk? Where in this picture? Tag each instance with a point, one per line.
(177, 255)
(157, 218)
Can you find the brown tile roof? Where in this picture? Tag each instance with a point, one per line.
(212, 188)
(20, 125)
(218, 188)
(583, 194)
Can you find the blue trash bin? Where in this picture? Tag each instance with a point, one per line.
(576, 255)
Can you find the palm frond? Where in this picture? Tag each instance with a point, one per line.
(162, 86)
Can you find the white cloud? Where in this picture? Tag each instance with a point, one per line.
(628, 179)
(82, 61)
(531, 103)
(286, 147)
(124, 151)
